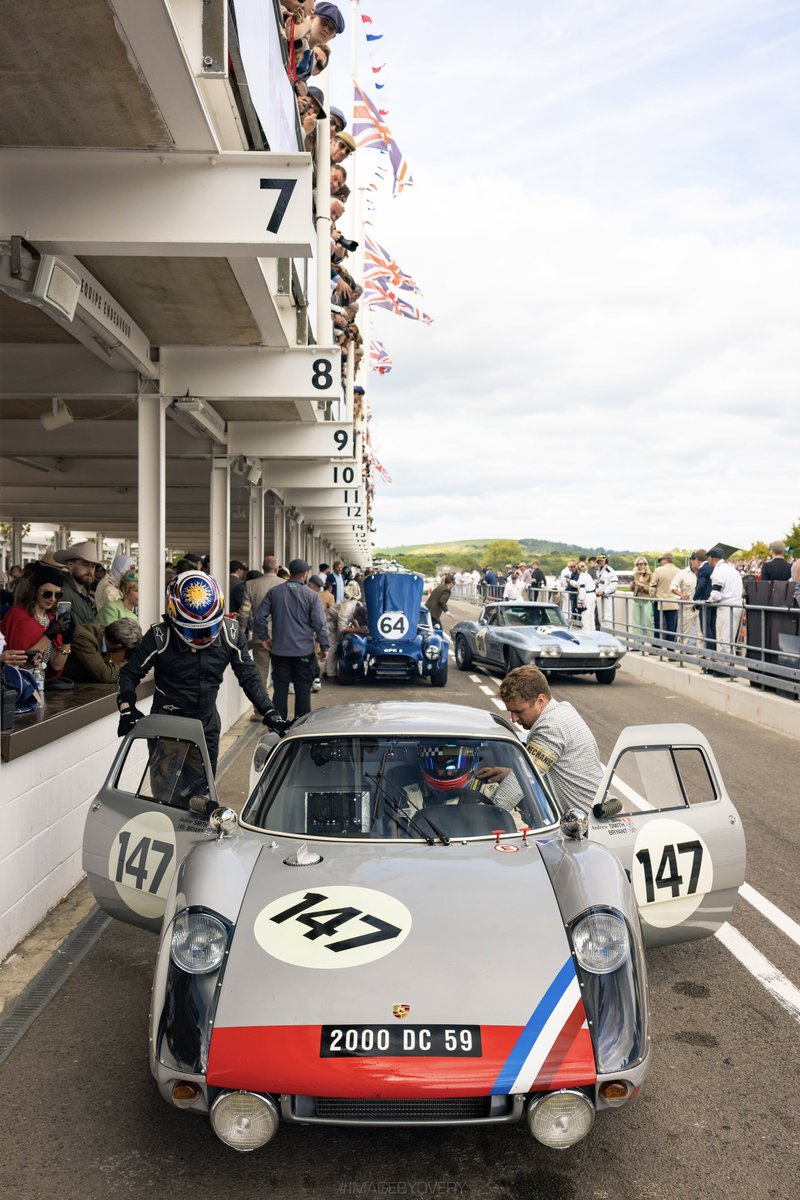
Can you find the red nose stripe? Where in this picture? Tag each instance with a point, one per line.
(286, 1058)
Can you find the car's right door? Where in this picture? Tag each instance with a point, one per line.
(674, 828)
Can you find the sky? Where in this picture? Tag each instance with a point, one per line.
(605, 225)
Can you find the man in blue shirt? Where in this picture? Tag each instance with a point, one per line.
(298, 620)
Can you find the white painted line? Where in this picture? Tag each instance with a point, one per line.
(502, 708)
(771, 911)
(632, 795)
(475, 678)
(776, 983)
(487, 691)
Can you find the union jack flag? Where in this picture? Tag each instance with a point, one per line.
(371, 132)
(376, 257)
(379, 359)
(376, 296)
(381, 470)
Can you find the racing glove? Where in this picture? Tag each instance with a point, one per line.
(274, 721)
(129, 714)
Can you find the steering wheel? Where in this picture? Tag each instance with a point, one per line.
(466, 796)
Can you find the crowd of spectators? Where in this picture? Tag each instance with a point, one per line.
(67, 619)
(308, 30)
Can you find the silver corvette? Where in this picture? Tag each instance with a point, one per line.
(382, 939)
(514, 633)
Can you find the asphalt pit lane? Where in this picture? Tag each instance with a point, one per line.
(690, 1038)
(687, 988)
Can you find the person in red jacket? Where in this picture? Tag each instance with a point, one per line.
(32, 624)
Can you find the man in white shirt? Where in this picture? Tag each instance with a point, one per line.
(606, 584)
(683, 586)
(726, 594)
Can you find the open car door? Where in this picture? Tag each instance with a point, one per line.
(674, 829)
(146, 817)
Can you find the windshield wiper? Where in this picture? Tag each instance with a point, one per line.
(397, 809)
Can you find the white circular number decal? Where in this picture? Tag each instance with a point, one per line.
(334, 927)
(672, 871)
(142, 862)
(393, 625)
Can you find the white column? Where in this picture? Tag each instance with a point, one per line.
(152, 507)
(324, 329)
(220, 519)
(255, 542)
(62, 537)
(98, 541)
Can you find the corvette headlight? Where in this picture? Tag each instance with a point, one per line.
(199, 942)
(551, 652)
(601, 942)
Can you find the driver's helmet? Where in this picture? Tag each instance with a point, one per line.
(195, 608)
(448, 766)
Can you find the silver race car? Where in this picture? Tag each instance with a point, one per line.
(382, 939)
(510, 634)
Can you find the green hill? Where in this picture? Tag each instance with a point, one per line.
(431, 558)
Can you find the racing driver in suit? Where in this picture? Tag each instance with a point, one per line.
(188, 651)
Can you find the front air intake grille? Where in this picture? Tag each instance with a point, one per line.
(394, 668)
(451, 1108)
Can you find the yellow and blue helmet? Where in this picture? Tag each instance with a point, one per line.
(195, 607)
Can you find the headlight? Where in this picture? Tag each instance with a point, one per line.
(199, 942)
(601, 942)
(551, 652)
(244, 1120)
(433, 651)
(560, 1119)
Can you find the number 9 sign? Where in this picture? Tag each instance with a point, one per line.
(393, 626)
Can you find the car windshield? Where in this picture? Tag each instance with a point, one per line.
(531, 614)
(391, 787)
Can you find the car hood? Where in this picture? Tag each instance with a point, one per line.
(407, 936)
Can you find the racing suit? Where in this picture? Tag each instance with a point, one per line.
(187, 680)
(606, 584)
(726, 594)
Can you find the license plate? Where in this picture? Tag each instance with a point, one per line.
(400, 1041)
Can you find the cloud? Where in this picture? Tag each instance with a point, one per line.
(609, 244)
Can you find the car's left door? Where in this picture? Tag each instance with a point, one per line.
(146, 817)
(663, 810)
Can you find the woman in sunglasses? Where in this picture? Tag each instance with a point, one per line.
(32, 626)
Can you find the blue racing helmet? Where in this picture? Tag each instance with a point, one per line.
(195, 607)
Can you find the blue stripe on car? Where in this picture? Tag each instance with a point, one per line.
(527, 1039)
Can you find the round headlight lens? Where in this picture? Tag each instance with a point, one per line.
(560, 1119)
(601, 942)
(432, 651)
(244, 1120)
(198, 942)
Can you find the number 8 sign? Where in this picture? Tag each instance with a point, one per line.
(393, 626)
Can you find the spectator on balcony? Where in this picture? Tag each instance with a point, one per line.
(338, 180)
(305, 35)
(31, 624)
(126, 606)
(80, 561)
(338, 120)
(99, 652)
(109, 587)
(342, 145)
(322, 54)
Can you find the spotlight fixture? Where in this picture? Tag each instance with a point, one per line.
(58, 418)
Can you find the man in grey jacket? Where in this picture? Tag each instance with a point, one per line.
(298, 621)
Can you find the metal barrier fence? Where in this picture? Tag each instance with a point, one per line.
(731, 643)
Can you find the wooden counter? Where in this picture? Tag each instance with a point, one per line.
(62, 713)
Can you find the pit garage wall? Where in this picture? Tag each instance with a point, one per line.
(44, 798)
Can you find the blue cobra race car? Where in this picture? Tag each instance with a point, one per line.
(402, 642)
